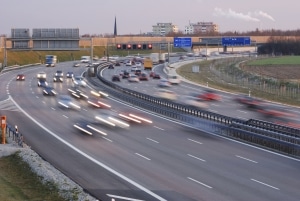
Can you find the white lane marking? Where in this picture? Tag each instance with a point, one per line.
(196, 157)
(143, 156)
(214, 111)
(247, 159)
(195, 141)
(265, 184)
(215, 105)
(242, 111)
(107, 139)
(199, 182)
(152, 140)
(89, 157)
(85, 110)
(65, 116)
(159, 128)
(44, 102)
(53, 108)
(37, 97)
(122, 198)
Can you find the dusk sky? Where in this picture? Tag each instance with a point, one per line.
(138, 16)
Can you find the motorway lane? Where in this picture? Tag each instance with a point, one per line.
(227, 106)
(170, 158)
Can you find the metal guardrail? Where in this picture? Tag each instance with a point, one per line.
(265, 134)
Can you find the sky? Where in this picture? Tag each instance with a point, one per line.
(138, 16)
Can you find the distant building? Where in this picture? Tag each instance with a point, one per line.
(201, 27)
(161, 29)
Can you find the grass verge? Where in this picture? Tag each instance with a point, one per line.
(19, 183)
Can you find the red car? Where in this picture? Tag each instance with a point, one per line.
(143, 76)
(210, 95)
(20, 77)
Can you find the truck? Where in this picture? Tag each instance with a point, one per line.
(50, 60)
(148, 64)
(162, 58)
(155, 58)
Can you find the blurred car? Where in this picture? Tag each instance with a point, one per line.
(42, 83)
(125, 74)
(75, 92)
(138, 64)
(143, 76)
(118, 64)
(166, 94)
(137, 72)
(249, 102)
(193, 101)
(174, 79)
(133, 78)
(49, 91)
(98, 102)
(210, 95)
(41, 75)
(134, 68)
(111, 119)
(88, 128)
(164, 83)
(69, 74)
(67, 102)
(79, 81)
(128, 63)
(111, 66)
(76, 64)
(115, 78)
(58, 78)
(156, 76)
(151, 74)
(20, 77)
(59, 73)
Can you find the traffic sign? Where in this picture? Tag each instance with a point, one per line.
(236, 41)
(182, 42)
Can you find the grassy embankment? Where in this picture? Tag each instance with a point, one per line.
(205, 76)
(19, 183)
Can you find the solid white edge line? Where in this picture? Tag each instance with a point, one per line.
(91, 158)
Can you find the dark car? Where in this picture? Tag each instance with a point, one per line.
(58, 78)
(156, 76)
(70, 74)
(118, 64)
(59, 73)
(20, 77)
(49, 91)
(125, 74)
(115, 78)
(249, 102)
(42, 83)
(110, 66)
(143, 76)
(137, 72)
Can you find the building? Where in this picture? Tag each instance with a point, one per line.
(161, 29)
(201, 27)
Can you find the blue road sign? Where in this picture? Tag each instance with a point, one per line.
(182, 42)
(236, 41)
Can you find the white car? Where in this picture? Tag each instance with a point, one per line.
(133, 78)
(194, 102)
(41, 75)
(134, 68)
(79, 81)
(138, 64)
(128, 63)
(166, 94)
(164, 83)
(174, 79)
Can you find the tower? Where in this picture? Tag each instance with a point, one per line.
(115, 28)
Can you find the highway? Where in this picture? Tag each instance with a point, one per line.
(163, 160)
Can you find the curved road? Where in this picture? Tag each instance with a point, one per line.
(159, 161)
